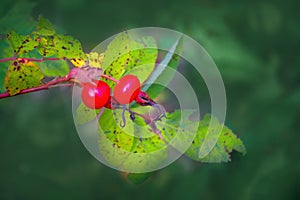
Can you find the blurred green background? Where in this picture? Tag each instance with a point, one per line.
(255, 45)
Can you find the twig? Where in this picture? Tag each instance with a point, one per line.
(28, 59)
(46, 86)
(110, 78)
(7, 59)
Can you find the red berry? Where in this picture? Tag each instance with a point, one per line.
(127, 89)
(110, 103)
(95, 94)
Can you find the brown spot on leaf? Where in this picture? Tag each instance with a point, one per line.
(25, 41)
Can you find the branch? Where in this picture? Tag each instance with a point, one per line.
(7, 59)
(73, 74)
(46, 86)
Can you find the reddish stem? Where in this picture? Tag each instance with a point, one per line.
(28, 59)
(110, 78)
(41, 87)
(7, 59)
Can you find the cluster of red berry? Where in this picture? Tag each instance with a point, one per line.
(97, 94)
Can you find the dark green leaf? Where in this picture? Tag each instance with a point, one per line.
(138, 178)
(44, 27)
(54, 68)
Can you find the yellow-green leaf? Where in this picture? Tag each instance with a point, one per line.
(61, 46)
(5, 52)
(21, 44)
(46, 45)
(227, 142)
(136, 147)
(125, 53)
(68, 47)
(21, 76)
(85, 114)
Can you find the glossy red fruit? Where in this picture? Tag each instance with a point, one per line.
(95, 94)
(127, 89)
(110, 103)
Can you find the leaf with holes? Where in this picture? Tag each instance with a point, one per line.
(227, 142)
(21, 76)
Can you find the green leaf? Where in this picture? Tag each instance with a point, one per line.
(54, 68)
(138, 178)
(171, 60)
(61, 46)
(46, 46)
(21, 44)
(5, 52)
(227, 142)
(121, 149)
(85, 114)
(143, 60)
(44, 27)
(171, 57)
(68, 47)
(95, 59)
(136, 146)
(21, 76)
(114, 144)
(125, 53)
